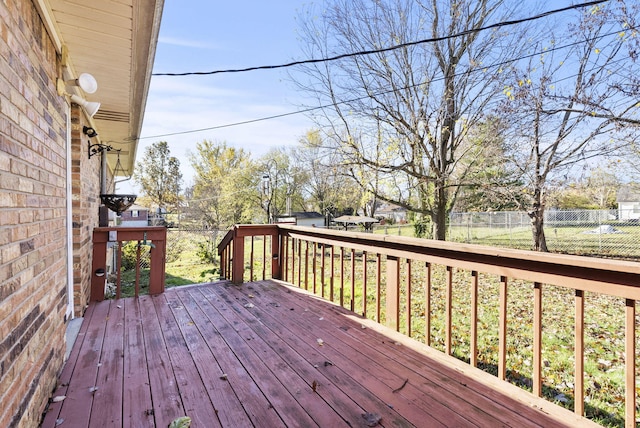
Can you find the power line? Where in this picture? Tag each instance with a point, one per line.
(391, 48)
(321, 107)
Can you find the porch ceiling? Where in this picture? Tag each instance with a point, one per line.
(114, 41)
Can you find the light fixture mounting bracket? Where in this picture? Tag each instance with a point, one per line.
(94, 149)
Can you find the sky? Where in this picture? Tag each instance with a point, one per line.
(204, 35)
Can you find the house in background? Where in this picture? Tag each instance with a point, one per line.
(55, 127)
(303, 218)
(392, 212)
(135, 216)
(628, 199)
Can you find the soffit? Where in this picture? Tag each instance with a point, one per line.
(115, 41)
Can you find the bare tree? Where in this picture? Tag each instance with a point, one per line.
(402, 115)
(576, 100)
(158, 173)
(323, 180)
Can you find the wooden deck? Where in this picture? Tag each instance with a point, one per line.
(265, 354)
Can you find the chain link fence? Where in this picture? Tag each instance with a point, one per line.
(600, 233)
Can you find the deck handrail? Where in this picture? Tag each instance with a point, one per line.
(291, 252)
(153, 236)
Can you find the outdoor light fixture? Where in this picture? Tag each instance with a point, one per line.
(85, 81)
(89, 131)
(90, 107)
(88, 84)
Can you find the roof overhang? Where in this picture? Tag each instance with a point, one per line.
(116, 43)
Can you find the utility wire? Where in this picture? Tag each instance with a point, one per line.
(321, 107)
(391, 48)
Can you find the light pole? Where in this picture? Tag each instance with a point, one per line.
(266, 191)
(269, 189)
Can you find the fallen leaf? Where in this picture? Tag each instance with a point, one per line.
(314, 385)
(249, 305)
(181, 422)
(58, 398)
(224, 376)
(251, 296)
(372, 419)
(320, 342)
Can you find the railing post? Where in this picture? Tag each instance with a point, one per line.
(237, 266)
(157, 268)
(98, 266)
(276, 253)
(393, 293)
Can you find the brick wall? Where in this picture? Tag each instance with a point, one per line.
(85, 187)
(33, 240)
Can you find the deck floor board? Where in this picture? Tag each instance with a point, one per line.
(250, 356)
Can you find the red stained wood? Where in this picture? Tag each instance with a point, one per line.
(242, 356)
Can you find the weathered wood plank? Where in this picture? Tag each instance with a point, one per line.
(77, 405)
(492, 394)
(62, 387)
(228, 407)
(168, 353)
(165, 396)
(107, 392)
(438, 383)
(347, 396)
(342, 407)
(284, 402)
(379, 379)
(137, 408)
(253, 400)
(193, 393)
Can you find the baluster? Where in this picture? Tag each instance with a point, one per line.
(448, 303)
(579, 354)
(314, 266)
(364, 283)
(306, 265)
(473, 345)
(630, 362)
(427, 305)
(537, 339)
(378, 280)
(322, 267)
(353, 280)
(332, 273)
(264, 257)
(251, 260)
(502, 332)
(408, 308)
(299, 263)
(342, 276)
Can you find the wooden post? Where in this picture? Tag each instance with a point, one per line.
(157, 268)
(237, 266)
(393, 293)
(276, 255)
(99, 262)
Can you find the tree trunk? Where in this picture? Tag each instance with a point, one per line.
(439, 214)
(537, 225)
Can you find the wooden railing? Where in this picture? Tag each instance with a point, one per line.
(400, 281)
(155, 237)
